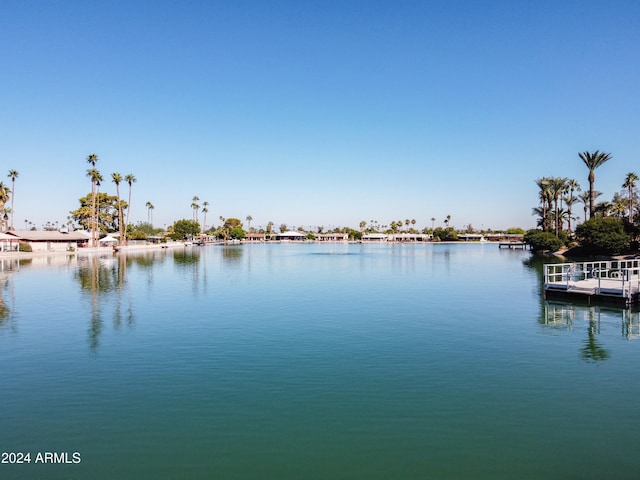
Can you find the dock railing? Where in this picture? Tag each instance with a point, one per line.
(611, 277)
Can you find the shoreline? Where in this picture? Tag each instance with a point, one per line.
(173, 245)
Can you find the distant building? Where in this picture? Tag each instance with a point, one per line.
(52, 241)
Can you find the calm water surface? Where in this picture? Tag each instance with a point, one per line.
(313, 361)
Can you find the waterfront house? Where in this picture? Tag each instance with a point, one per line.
(52, 241)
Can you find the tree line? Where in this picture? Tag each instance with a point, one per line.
(607, 227)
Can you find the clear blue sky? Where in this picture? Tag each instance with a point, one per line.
(317, 113)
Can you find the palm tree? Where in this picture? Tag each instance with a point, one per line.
(557, 186)
(205, 210)
(629, 183)
(593, 161)
(545, 201)
(92, 159)
(195, 207)
(97, 179)
(13, 174)
(585, 198)
(433, 224)
(117, 179)
(94, 175)
(249, 218)
(130, 179)
(150, 207)
(569, 201)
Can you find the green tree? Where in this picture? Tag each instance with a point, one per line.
(130, 179)
(593, 161)
(107, 213)
(93, 174)
(248, 219)
(629, 183)
(13, 174)
(205, 210)
(4, 198)
(541, 241)
(606, 236)
(185, 229)
(195, 207)
(117, 179)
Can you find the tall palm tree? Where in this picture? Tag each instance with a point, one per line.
(130, 179)
(117, 179)
(205, 210)
(546, 199)
(195, 207)
(585, 198)
(13, 174)
(249, 218)
(95, 176)
(593, 161)
(557, 186)
(433, 223)
(92, 159)
(150, 207)
(629, 183)
(569, 201)
(97, 179)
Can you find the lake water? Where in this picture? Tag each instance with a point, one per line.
(312, 361)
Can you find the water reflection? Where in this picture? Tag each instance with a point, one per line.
(8, 267)
(569, 316)
(232, 255)
(103, 280)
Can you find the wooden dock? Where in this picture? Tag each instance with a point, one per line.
(513, 245)
(611, 281)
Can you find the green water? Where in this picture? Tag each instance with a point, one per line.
(312, 361)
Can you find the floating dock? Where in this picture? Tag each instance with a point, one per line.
(513, 245)
(616, 281)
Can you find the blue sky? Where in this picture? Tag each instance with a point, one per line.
(317, 113)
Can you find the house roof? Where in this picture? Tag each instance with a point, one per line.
(49, 236)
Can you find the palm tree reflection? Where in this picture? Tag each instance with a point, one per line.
(103, 279)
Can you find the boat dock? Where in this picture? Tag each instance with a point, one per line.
(513, 245)
(613, 280)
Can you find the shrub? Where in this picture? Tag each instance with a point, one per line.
(543, 241)
(605, 236)
(24, 247)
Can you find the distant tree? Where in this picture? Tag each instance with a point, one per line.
(130, 179)
(248, 219)
(195, 207)
(92, 173)
(592, 162)
(541, 241)
(185, 229)
(362, 225)
(150, 207)
(205, 210)
(107, 213)
(117, 179)
(629, 183)
(4, 198)
(283, 227)
(13, 174)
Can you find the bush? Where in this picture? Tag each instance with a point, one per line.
(606, 236)
(543, 241)
(24, 247)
